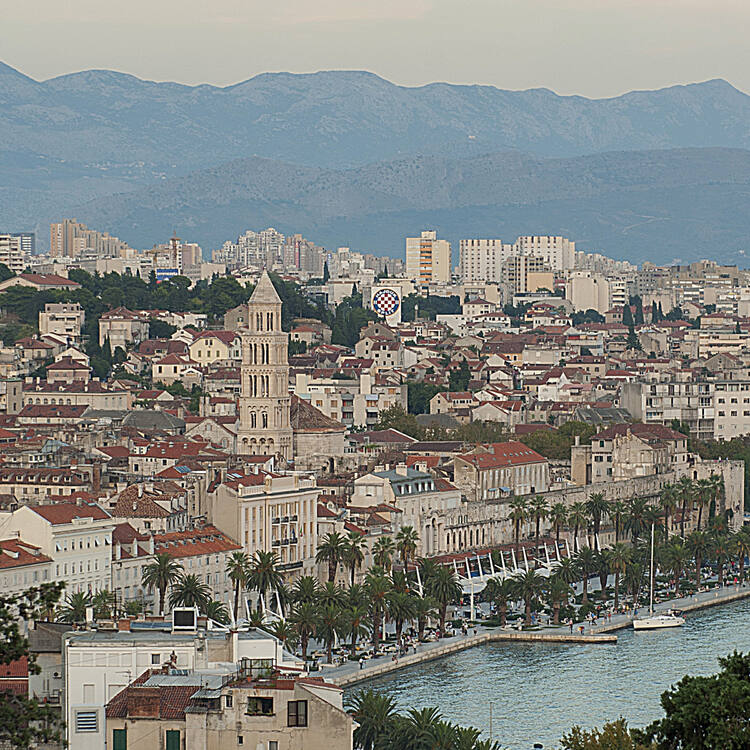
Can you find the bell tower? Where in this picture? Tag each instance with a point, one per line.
(264, 426)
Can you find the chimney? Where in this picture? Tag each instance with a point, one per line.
(143, 702)
(401, 470)
(123, 625)
(96, 477)
(577, 439)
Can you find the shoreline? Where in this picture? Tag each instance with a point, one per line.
(350, 673)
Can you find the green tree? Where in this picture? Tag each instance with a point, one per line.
(103, 602)
(158, 329)
(331, 624)
(374, 714)
(304, 617)
(238, 572)
(419, 396)
(305, 590)
(706, 713)
(401, 609)
(558, 516)
(529, 586)
(518, 514)
(189, 591)
(444, 588)
(501, 593)
(355, 624)
(538, 511)
(458, 380)
(378, 589)
(619, 557)
(407, 540)
(264, 573)
(395, 418)
(73, 609)
(354, 553)
(613, 735)
(331, 552)
(216, 611)
(586, 562)
(425, 607)
(26, 722)
(383, 551)
(597, 507)
(160, 574)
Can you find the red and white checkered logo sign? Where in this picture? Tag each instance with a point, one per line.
(386, 302)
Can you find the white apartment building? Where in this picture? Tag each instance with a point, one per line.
(588, 291)
(11, 253)
(428, 259)
(271, 513)
(63, 319)
(558, 252)
(22, 565)
(351, 402)
(98, 664)
(482, 260)
(78, 539)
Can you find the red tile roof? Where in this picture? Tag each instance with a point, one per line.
(499, 455)
(15, 554)
(206, 541)
(62, 513)
(49, 279)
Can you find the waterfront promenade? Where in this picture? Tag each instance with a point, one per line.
(350, 672)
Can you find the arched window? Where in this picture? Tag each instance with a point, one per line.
(253, 419)
(264, 419)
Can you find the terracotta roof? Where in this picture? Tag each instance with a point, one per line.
(205, 541)
(173, 699)
(14, 554)
(499, 455)
(62, 513)
(304, 417)
(49, 279)
(62, 411)
(657, 431)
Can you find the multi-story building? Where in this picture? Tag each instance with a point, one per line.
(482, 260)
(526, 273)
(77, 538)
(22, 565)
(352, 402)
(271, 513)
(70, 238)
(669, 397)
(588, 291)
(558, 252)
(216, 347)
(123, 328)
(62, 319)
(428, 259)
(501, 469)
(12, 254)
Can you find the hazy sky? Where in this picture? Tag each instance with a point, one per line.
(590, 47)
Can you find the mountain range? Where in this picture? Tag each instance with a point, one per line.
(349, 158)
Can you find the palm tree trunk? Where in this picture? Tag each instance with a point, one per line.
(617, 528)
(162, 594)
(352, 574)
(700, 514)
(666, 526)
(585, 596)
(528, 611)
(698, 563)
(443, 613)
(331, 571)
(682, 520)
(537, 535)
(556, 611)
(518, 533)
(742, 567)
(503, 613)
(557, 535)
(375, 629)
(575, 538)
(721, 574)
(329, 651)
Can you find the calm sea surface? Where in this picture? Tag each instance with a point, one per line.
(537, 692)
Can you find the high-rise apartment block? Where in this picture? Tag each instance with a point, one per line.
(11, 253)
(27, 241)
(483, 259)
(69, 238)
(428, 259)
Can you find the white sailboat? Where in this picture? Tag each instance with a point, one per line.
(652, 621)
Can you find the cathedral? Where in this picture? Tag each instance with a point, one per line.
(264, 425)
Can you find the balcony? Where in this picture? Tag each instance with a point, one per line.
(276, 543)
(276, 520)
(285, 519)
(293, 518)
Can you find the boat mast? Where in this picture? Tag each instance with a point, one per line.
(651, 587)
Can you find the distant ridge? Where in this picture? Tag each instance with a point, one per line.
(84, 136)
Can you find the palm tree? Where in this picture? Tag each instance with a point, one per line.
(407, 540)
(602, 569)
(577, 517)
(189, 591)
(419, 730)
(652, 517)
(529, 586)
(264, 573)
(378, 588)
(699, 544)
(501, 592)
(160, 574)
(331, 551)
(401, 609)
(329, 594)
(741, 545)
(382, 552)
(586, 561)
(305, 590)
(216, 611)
(668, 503)
(703, 493)
(538, 510)
(256, 618)
(102, 602)
(619, 557)
(304, 617)
(675, 556)
(518, 514)
(238, 571)
(635, 521)
(567, 569)
(374, 714)
(74, 607)
(617, 510)
(717, 490)
(355, 618)
(722, 552)
(444, 588)
(597, 508)
(558, 592)
(354, 553)
(634, 574)
(356, 596)
(286, 632)
(685, 491)
(330, 626)
(558, 516)
(424, 608)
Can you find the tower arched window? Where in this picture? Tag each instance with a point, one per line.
(264, 419)
(253, 419)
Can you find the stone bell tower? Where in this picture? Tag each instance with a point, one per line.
(264, 426)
